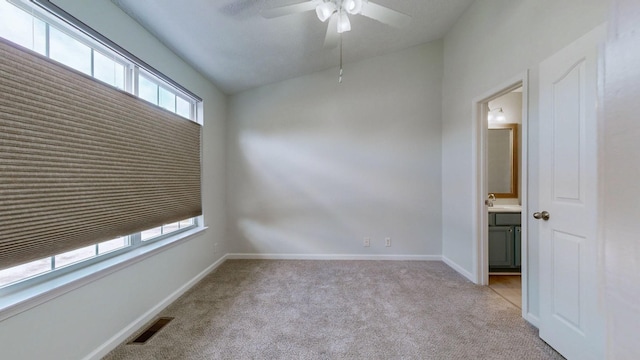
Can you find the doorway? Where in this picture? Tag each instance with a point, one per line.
(500, 193)
(504, 122)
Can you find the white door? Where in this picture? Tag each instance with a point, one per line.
(570, 318)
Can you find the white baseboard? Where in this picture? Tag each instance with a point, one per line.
(252, 256)
(459, 269)
(129, 330)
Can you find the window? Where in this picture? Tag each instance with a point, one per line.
(109, 70)
(166, 229)
(163, 96)
(39, 267)
(22, 27)
(36, 29)
(69, 51)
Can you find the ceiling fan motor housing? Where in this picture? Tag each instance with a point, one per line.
(325, 9)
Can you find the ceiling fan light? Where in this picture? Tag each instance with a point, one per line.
(325, 10)
(353, 6)
(344, 24)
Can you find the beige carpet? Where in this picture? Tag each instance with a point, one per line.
(251, 309)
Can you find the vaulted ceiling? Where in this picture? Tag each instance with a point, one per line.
(232, 44)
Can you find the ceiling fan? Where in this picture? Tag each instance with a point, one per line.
(337, 12)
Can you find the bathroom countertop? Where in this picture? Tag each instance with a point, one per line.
(505, 208)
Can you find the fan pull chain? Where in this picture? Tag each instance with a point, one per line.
(340, 77)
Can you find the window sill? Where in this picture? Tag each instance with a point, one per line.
(25, 299)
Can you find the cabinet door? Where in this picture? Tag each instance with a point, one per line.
(518, 246)
(501, 246)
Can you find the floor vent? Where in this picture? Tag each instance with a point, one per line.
(151, 330)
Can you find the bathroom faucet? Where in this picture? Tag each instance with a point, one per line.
(490, 199)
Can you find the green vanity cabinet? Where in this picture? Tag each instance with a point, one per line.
(504, 242)
(517, 246)
(501, 250)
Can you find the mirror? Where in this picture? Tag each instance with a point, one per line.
(502, 160)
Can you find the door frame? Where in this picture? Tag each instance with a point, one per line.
(479, 145)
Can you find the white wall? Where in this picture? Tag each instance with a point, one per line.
(75, 324)
(494, 41)
(316, 166)
(621, 165)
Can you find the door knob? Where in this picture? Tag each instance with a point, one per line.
(541, 215)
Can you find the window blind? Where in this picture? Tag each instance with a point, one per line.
(82, 162)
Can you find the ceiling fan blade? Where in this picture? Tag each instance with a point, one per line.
(385, 15)
(288, 9)
(332, 38)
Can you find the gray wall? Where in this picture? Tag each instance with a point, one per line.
(77, 323)
(494, 41)
(316, 166)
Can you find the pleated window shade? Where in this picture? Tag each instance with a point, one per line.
(82, 162)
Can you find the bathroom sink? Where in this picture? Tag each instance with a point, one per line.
(505, 208)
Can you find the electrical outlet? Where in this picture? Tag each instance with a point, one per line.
(387, 242)
(367, 242)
